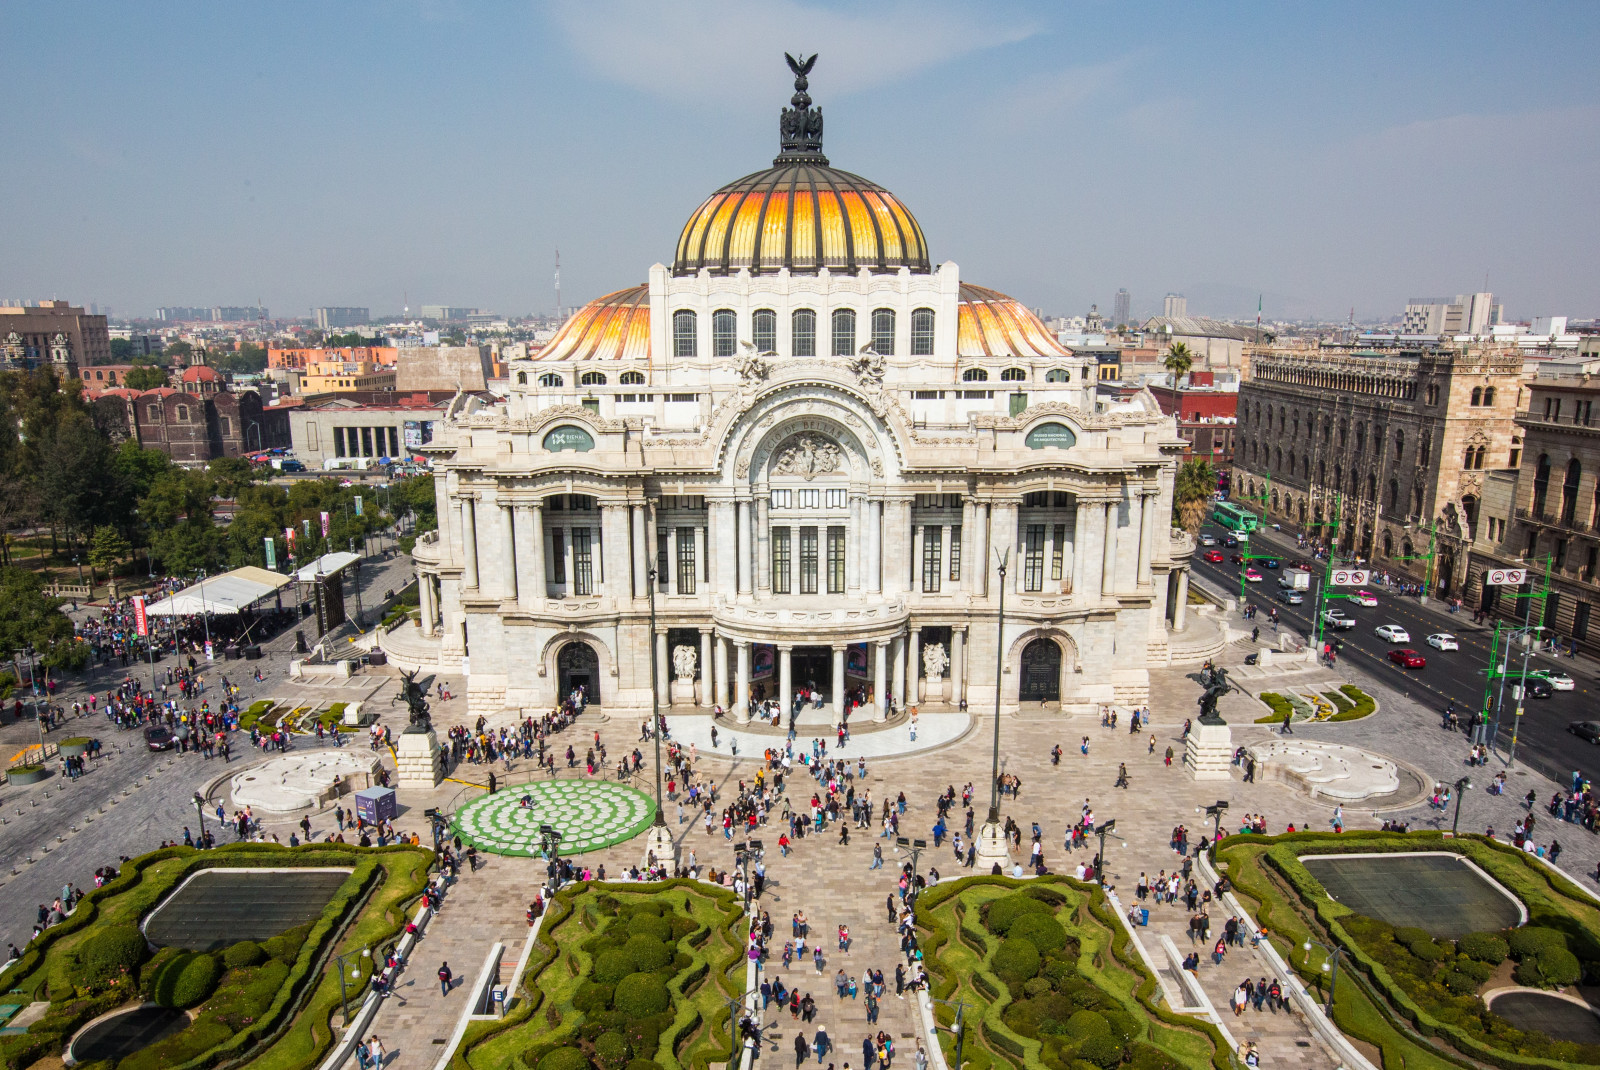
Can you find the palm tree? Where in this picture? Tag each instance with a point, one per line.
(1179, 361)
(1196, 482)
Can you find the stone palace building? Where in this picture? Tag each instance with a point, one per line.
(819, 447)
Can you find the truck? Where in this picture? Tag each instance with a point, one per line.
(1297, 579)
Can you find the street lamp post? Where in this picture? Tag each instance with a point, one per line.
(1335, 953)
(993, 849)
(1102, 831)
(200, 811)
(659, 843)
(743, 853)
(355, 975)
(1215, 812)
(1462, 786)
(915, 849)
(956, 1029)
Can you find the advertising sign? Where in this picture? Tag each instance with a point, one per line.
(358, 505)
(272, 553)
(324, 525)
(141, 623)
(1505, 577)
(1350, 577)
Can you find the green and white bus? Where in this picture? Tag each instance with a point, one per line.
(1235, 518)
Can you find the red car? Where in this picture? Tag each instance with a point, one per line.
(1408, 659)
(1214, 556)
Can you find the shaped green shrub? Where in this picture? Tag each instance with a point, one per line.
(640, 995)
(611, 1049)
(1016, 961)
(243, 954)
(1041, 930)
(647, 924)
(647, 953)
(591, 997)
(1484, 947)
(187, 980)
(612, 966)
(1533, 939)
(564, 1059)
(1007, 909)
(1560, 966)
(1085, 1024)
(1101, 1050)
(110, 953)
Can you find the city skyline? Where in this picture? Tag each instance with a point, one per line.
(1219, 155)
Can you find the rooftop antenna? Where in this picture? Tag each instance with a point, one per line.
(558, 284)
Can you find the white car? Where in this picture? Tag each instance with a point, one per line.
(1208, 540)
(1393, 632)
(1560, 681)
(1443, 641)
(1334, 619)
(1364, 598)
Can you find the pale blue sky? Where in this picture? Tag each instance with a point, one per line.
(1332, 155)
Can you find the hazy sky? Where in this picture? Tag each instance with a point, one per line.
(1331, 155)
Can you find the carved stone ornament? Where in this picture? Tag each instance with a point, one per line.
(752, 366)
(868, 367)
(743, 469)
(877, 467)
(684, 659)
(808, 456)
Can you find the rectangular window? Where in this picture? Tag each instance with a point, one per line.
(1058, 547)
(780, 561)
(224, 425)
(836, 560)
(1580, 621)
(927, 395)
(582, 562)
(686, 571)
(1033, 559)
(808, 499)
(844, 332)
(338, 442)
(1589, 565)
(366, 442)
(558, 556)
(683, 397)
(932, 552)
(780, 499)
(1552, 606)
(1018, 403)
(955, 553)
(764, 330)
(803, 329)
(663, 555)
(922, 332)
(808, 560)
(836, 499)
(883, 331)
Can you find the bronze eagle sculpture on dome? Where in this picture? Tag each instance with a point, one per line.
(800, 125)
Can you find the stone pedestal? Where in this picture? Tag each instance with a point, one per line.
(419, 763)
(1208, 755)
(659, 843)
(683, 691)
(992, 849)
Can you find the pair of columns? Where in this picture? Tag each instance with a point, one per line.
(864, 544)
(517, 543)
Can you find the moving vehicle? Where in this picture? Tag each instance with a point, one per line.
(1214, 556)
(1268, 562)
(159, 737)
(1538, 688)
(1234, 518)
(1589, 730)
(1364, 598)
(1252, 576)
(1297, 578)
(287, 464)
(1407, 658)
(1230, 540)
(1393, 633)
(1558, 681)
(1443, 641)
(1208, 540)
(1237, 559)
(1334, 619)
(1291, 597)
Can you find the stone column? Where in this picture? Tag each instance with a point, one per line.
(958, 664)
(1180, 609)
(916, 558)
(469, 543)
(1147, 542)
(852, 540)
(641, 552)
(838, 682)
(1094, 550)
(746, 554)
(706, 698)
(1108, 569)
(724, 538)
(508, 551)
(914, 660)
(1003, 521)
(896, 546)
(741, 697)
(786, 679)
(875, 546)
(569, 561)
(425, 599)
(1080, 545)
(880, 679)
(764, 547)
(898, 677)
(663, 670)
(720, 649)
(669, 582)
(533, 591)
(614, 551)
(701, 565)
(968, 522)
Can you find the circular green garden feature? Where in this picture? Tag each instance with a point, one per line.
(27, 774)
(76, 747)
(589, 814)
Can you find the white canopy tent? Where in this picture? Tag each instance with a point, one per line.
(326, 565)
(226, 594)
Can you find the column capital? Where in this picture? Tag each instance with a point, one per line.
(742, 642)
(708, 631)
(839, 648)
(785, 647)
(881, 643)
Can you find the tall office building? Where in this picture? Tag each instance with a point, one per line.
(1119, 308)
(447, 312)
(328, 319)
(1176, 306)
(52, 332)
(1467, 314)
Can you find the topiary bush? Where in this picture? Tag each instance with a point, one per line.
(1533, 939)
(647, 953)
(195, 981)
(1085, 1024)
(1039, 986)
(1016, 961)
(640, 995)
(1559, 966)
(244, 954)
(285, 947)
(1041, 930)
(592, 997)
(1528, 973)
(1484, 947)
(564, 1059)
(111, 953)
(1007, 909)
(653, 925)
(1101, 1050)
(612, 966)
(611, 1049)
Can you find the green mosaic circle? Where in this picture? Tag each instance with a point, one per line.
(589, 814)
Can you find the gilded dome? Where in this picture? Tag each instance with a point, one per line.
(800, 213)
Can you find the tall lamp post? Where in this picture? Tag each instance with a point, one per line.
(1462, 785)
(1335, 953)
(658, 843)
(1102, 831)
(915, 849)
(200, 811)
(993, 849)
(1215, 812)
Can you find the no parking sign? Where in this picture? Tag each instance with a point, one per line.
(1505, 577)
(1350, 577)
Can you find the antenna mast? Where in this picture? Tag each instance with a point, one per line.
(558, 284)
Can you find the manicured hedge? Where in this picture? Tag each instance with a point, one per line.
(1361, 704)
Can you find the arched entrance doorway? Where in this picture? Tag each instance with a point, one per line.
(577, 666)
(1040, 679)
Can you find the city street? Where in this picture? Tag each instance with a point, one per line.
(1459, 676)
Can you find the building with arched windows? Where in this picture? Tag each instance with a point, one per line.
(817, 445)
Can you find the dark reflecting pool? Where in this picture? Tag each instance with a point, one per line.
(1436, 891)
(125, 1033)
(218, 907)
(1548, 1014)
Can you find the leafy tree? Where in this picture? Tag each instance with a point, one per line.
(416, 496)
(249, 358)
(232, 474)
(106, 550)
(121, 350)
(28, 616)
(144, 378)
(260, 511)
(1179, 360)
(350, 339)
(73, 467)
(1195, 483)
(183, 532)
(179, 349)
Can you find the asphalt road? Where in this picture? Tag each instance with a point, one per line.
(1456, 675)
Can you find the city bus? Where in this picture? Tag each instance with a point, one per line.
(1234, 518)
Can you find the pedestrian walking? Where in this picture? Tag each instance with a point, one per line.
(445, 979)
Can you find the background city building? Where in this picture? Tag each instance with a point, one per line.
(1120, 309)
(53, 332)
(333, 318)
(1175, 306)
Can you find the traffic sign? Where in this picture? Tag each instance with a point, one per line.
(1505, 577)
(1350, 577)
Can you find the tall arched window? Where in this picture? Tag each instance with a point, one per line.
(922, 332)
(631, 378)
(553, 381)
(974, 375)
(522, 378)
(1399, 446)
(1013, 375)
(684, 331)
(844, 332)
(1569, 491)
(1488, 395)
(803, 332)
(883, 331)
(1057, 375)
(1541, 485)
(592, 379)
(724, 332)
(764, 330)
(1477, 395)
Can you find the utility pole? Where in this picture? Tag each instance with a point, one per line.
(1427, 558)
(1244, 538)
(1327, 573)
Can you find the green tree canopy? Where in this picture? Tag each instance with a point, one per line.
(1196, 482)
(349, 339)
(183, 533)
(107, 548)
(28, 616)
(1179, 359)
(121, 350)
(249, 358)
(232, 475)
(144, 378)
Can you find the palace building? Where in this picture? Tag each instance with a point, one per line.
(818, 447)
